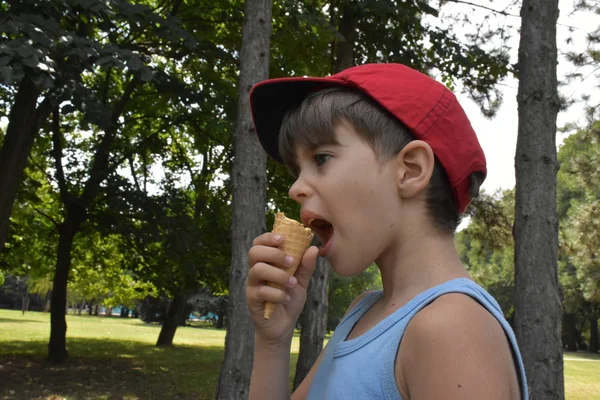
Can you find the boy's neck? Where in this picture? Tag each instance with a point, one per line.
(419, 262)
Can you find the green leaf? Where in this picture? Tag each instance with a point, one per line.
(135, 63)
(146, 74)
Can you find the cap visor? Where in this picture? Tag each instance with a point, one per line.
(270, 100)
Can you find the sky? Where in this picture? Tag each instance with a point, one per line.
(498, 136)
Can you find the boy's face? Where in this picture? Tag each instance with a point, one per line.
(350, 199)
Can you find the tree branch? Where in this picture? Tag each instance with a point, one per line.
(120, 106)
(176, 7)
(43, 214)
(133, 174)
(468, 3)
(184, 158)
(141, 144)
(100, 165)
(42, 170)
(106, 85)
(57, 152)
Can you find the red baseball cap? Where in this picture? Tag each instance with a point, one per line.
(426, 107)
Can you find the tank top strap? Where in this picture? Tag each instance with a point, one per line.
(339, 335)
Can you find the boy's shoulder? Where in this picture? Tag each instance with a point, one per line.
(456, 317)
(462, 346)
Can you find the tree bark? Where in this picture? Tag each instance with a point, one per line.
(24, 121)
(570, 332)
(25, 301)
(594, 333)
(537, 300)
(249, 200)
(47, 301)
(57, 349)
(314, 321)
(171, 322)
(344, 50)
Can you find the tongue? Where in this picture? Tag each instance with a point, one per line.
(324, 233)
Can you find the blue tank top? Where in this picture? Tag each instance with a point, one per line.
(363, 368)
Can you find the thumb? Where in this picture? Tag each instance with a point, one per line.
(307, 266)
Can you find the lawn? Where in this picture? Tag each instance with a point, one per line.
(114, 358)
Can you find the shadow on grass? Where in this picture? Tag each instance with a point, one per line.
(19, 320)
(109, 370)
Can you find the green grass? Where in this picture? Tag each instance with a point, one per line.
(109, 359)
(114, 358)
(582, 376)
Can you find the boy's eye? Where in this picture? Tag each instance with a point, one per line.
(321, 158)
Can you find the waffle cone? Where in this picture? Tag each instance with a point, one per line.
(296, 239)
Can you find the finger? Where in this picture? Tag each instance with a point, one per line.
(269, 255)
(268, 239)
(261, 294)
(307, 266)
(262, 272)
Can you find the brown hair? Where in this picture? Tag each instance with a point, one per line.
(312, 124)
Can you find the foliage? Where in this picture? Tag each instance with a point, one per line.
(98, 275)
(31, 248)
(486, 246)
(343, 290)
(580, 178)
(386, 31)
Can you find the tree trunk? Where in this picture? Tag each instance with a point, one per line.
(314, 321)
(47, 302)
(249, 199)
(344, 50)
(220, 324)
(537, 300)
(24, 122)
(25, 301)
(57, 350)
(169, 327)
(594, 333)
(570, 332)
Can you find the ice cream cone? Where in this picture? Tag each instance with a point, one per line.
(296, 239)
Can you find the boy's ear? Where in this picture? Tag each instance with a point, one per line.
(414, 168)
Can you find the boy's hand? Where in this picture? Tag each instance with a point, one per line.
(268, 264)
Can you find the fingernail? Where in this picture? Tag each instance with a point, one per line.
(288, 298)
(292, 281)
(277, 237)
(289, 261)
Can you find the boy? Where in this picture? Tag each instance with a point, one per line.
(385, 161)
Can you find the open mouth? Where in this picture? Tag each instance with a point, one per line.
(324, 232)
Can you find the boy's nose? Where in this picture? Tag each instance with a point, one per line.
(299, 191)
